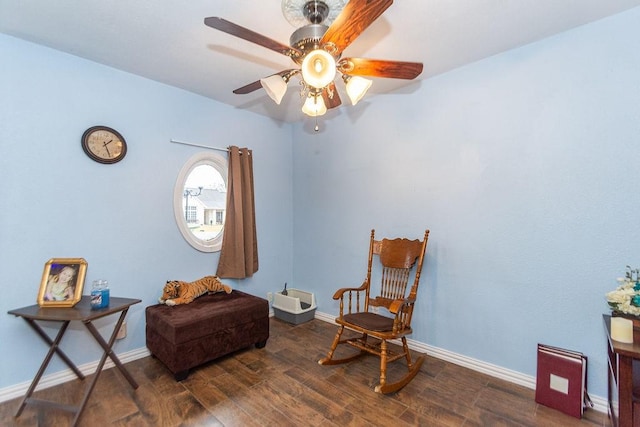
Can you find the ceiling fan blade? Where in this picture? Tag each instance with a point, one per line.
(251, 36)
(356, 16)
(380, 68)
(248, 88)
(257, 85)
(331, 97)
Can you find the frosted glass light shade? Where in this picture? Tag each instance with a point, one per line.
(357, 87)
(275, 86)
(314, 106)
(318, 68)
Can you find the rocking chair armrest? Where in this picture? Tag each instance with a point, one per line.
(340, 292)
(396, 306)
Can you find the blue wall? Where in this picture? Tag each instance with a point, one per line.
(56, 202)
(524, 166)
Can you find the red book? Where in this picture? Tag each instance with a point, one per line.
(561, 380)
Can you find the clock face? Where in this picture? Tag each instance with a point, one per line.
(104, 145)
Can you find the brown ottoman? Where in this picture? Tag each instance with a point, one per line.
(185, 336)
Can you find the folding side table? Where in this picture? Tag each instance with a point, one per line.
(64, 315)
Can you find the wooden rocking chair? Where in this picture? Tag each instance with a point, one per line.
(397, 258)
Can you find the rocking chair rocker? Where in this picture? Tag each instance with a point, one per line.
(397, 258)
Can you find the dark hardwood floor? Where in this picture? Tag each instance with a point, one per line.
(283, 385)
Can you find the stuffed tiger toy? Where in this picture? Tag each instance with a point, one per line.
(178, 292)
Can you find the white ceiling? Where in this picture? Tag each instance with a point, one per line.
(167, 41)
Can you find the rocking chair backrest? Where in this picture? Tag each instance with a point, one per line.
(397, 258)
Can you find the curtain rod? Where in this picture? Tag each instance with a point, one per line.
(199, 145)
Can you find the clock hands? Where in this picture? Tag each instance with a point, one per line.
(107, 148)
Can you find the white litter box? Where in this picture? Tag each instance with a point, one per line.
(295, 307)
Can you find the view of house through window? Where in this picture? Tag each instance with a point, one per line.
(200, 200)
(204, 202)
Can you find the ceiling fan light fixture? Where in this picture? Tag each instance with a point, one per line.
(314, 106)
(275, 86)
(356, 87)
(327, 28)
(318, 68)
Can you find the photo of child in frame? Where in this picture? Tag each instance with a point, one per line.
(62, 282)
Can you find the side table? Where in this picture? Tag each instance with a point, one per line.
(624, 378)
(81, 312)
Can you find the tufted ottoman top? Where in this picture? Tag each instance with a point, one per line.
(205, 315)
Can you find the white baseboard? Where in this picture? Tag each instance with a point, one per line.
(600, 404)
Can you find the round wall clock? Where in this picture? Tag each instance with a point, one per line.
(104, 145)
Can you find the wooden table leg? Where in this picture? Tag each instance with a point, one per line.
(108, 352)
(107, 347)
(57, 348)
(625, 395)
(53, 348)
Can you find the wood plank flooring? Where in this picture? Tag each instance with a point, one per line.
(283, 385)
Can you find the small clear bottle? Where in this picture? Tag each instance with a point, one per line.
(100, 294)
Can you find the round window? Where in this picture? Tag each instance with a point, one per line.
(200, 200)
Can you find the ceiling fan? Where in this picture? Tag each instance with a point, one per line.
(330, 26)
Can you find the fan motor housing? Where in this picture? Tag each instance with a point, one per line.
(307, 38)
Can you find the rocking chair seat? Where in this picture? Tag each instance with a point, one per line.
(369, 321)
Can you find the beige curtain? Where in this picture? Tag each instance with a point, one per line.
(239, 253)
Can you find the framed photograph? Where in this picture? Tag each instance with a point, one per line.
(62, 282)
